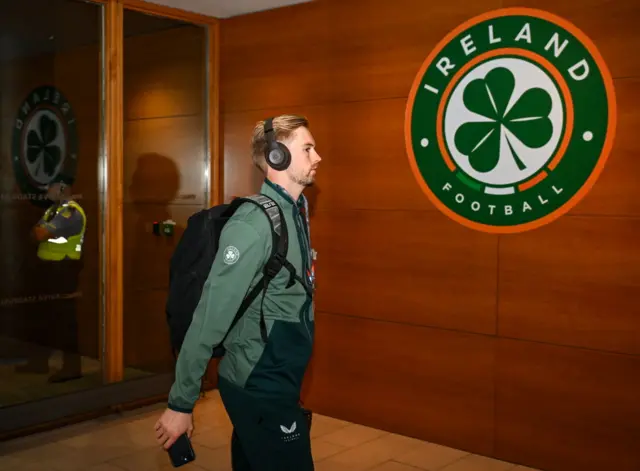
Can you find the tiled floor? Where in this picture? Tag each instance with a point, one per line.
(127, 443)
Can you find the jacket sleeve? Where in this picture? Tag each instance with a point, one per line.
(241, 254)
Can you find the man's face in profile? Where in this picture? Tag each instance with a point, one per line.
(304, 158)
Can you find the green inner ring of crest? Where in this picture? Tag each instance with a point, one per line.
(477, 184)
(591, 113)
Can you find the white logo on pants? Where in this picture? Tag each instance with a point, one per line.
(289, 432)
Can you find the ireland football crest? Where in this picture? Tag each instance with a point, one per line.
(45, 142)
(510, 120)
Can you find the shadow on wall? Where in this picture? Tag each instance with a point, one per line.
(155, 180)
(154, 185)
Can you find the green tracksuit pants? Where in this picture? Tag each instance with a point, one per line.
(268, 435)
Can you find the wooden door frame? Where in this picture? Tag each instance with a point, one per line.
(112, 282)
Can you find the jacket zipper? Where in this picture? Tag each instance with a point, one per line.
(305, 255)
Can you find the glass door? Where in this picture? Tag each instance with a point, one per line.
(51, 133)
(66, 346)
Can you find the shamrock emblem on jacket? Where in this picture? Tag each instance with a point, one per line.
(43, 148)
(526, 120)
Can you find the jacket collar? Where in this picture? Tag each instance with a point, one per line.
(280, 195)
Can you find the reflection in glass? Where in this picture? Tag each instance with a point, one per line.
(50, 131)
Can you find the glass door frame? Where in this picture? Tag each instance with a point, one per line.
(115, 393)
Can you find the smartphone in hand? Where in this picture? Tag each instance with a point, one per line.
(181, 452)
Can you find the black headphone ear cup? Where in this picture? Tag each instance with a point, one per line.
(287, 155)
(279, 157)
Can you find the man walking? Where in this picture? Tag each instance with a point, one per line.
(259, 382)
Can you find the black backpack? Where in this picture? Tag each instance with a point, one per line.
(193, 256)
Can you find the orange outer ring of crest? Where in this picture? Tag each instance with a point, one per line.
(606, 149)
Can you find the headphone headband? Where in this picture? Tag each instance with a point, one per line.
(268, 126)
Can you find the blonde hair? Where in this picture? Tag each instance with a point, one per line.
(283, 126)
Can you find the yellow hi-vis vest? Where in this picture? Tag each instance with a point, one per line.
(59, 248)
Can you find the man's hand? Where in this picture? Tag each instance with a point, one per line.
(171, 425)
(40, 233)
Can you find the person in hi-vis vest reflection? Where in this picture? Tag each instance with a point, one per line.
(60, 236)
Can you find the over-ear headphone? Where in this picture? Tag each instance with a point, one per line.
(277, 154)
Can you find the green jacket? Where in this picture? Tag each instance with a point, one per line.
(274, 369)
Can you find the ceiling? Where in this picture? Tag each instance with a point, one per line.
(63, 25)
(226, 8)
(66, 24)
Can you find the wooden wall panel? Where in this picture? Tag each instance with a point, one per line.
(378, 46)
(84, 88)
(426, 383)
(164, 175)
(165, 73)
(147, 255)
(616, 192)
(373, 51)
(267, 62)
(567, 409)
(572, 283)
(165, 160)
(155, 356)
(360, 140)
(575, 282)
(240, 176)
(417, 269)
(146, 279)
(612, 25)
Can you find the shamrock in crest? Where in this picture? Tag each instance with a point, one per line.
(43, 150)
(527, 120)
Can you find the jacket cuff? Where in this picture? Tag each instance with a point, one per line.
(180, 409)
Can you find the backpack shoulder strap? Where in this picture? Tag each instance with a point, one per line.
(273, 213)
(279, 233)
